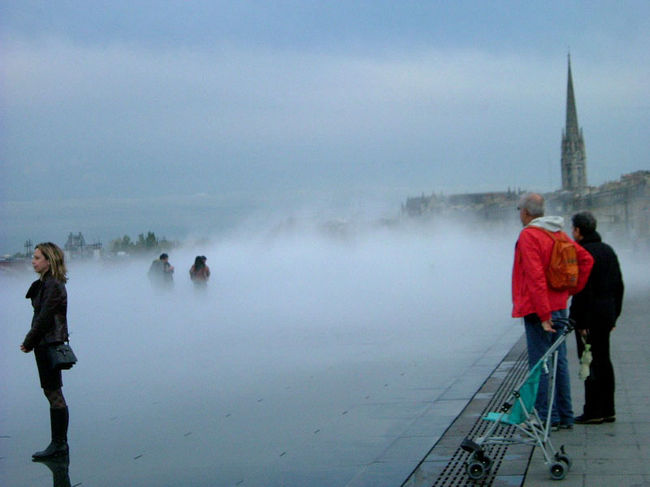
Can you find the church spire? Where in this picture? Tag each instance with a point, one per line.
(574, 159)
(572, 129)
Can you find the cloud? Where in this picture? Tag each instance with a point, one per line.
(295, 329)
(124, 119)
(106, 109)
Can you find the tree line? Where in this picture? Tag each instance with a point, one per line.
(144, 243)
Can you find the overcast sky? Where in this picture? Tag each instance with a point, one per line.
(117, 100)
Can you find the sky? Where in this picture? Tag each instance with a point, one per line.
(137, 108)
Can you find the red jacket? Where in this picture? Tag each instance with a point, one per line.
(530, 291)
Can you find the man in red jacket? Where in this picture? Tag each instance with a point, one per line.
(539, 304)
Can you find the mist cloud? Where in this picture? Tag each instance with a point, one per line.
(304, 333)
(226, 117)
(297, 302)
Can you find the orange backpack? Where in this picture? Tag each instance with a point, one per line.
(562, 272)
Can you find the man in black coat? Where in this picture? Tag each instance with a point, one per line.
(595, 310)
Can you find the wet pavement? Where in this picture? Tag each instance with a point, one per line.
(296, 409)
(328, 429)
(205, 405)
(444, 464)
(610, 454)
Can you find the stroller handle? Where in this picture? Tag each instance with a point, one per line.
(568, 323)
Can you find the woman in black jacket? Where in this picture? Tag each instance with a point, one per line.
(49, 327)
(595, 310)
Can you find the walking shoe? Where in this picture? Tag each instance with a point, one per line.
(561, 426)
(609, 419)
(582, 419)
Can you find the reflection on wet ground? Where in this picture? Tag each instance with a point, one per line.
(300, 365)
(340, 426)
(60, 470)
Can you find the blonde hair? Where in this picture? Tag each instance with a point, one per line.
(54, 255)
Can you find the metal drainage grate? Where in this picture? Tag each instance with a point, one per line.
(454, 474)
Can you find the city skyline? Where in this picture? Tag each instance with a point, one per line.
(169, 104)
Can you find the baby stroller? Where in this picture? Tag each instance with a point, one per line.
(519, 412)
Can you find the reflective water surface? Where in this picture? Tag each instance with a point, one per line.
(307, 361)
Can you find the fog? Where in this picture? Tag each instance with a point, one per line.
(309, 352)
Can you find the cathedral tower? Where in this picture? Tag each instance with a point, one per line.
(574, 158)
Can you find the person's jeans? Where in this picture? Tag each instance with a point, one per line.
(538, 342)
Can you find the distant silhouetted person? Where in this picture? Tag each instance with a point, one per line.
(161, 272)
(49, 327)
(595, 310)
(200, 272)
(542, 307)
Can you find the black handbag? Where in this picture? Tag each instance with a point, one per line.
(61, 356)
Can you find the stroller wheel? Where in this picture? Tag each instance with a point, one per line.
(487, 463)
(476, 470)
(559, 470)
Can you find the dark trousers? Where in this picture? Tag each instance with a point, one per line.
(600, 385)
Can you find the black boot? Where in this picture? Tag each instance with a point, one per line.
(59, 445)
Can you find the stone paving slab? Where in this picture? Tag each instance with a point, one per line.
(444, 464)
(612, 454)
(615, 454)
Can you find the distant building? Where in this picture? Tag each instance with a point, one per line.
(11, 264)
(574, 157)
(621, 207)
(76, 247)
(491, 206)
